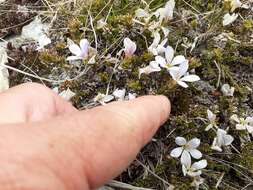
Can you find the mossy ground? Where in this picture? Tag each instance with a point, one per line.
(216, 62)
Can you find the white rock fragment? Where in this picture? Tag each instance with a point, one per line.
(34, 30)
(4, 74)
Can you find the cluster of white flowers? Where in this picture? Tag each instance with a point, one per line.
(118, 94)
(222, 138)
(231, 17)
(145, 16)
(177, 66)
(185, 151)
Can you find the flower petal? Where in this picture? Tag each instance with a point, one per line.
(161, 61)
(235, 118)
(140, 13)
(186, 159)
(199, 165)
(211, 116)
(169, 54)
(183, 68)
(169, 9)
(215, 145)
(240, 127)
(184, 170)
(75, 49)
(249, 120)
(228, 139)
(193, 143)
(178, 60)
(130, 47)
(176, 152)
(190, 78)
(250, 129)
(73, 58)
(174, 73)
(84, 44)
(195, 153)
(194, 174)
(183, 84)
(180, 141)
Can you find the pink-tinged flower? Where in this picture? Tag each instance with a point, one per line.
(80, 52)
(129, 47)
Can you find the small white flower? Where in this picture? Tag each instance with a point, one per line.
(131, 96)
(186, 150)
(212, 120)
(169, 62)
(157, 46)
(222, 139)
(152, 67)
(229, 18)
(103, 99)
(129, 47)
(243, 124)
(166, 13)
(236, 4)
(80, 52)
(101, 23)
(67, 94)
(194, 169)
(179, 74)
(119, 94)
(227, 90)
(43, 41)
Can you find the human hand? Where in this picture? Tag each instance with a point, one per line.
(47, 144)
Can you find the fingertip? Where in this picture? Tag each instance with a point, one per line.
(165, 106)
(158, 104)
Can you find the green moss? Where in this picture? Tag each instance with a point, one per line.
(52, 57)
(246, 158)
(134, 85)
(104, 77)
(247, 24)
(74, 26)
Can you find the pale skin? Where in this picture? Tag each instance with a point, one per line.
(46, 144)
